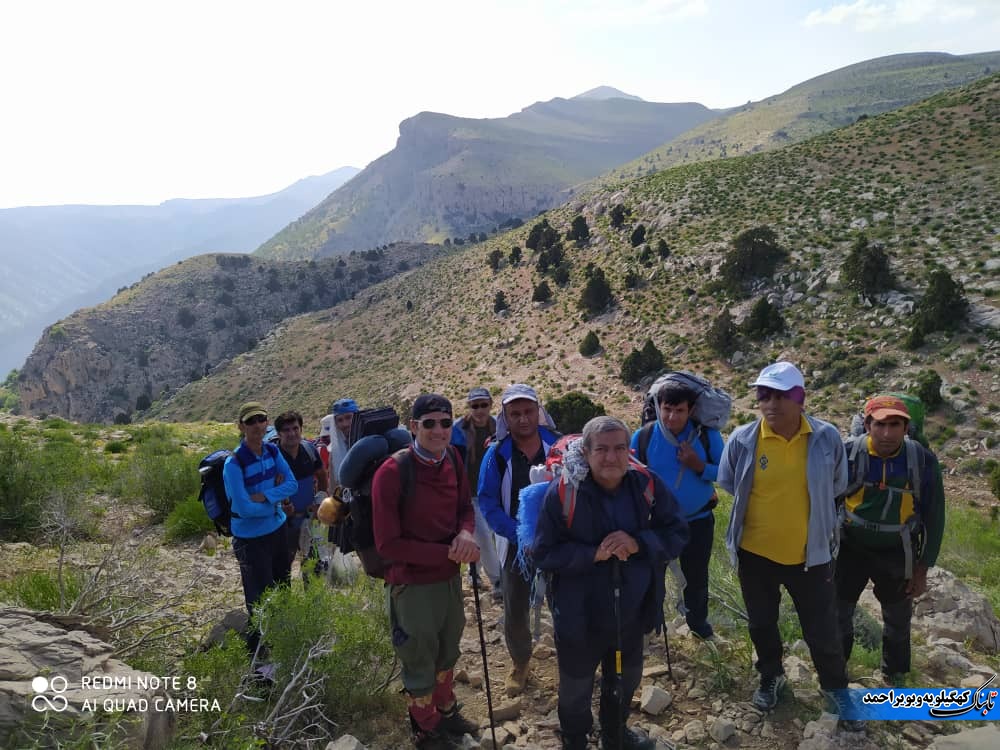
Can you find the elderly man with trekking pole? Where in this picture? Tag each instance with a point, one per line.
(606, 531)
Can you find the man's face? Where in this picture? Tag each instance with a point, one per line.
(782, 414)
(675, 416)
(607, 456)
(479, 411)
(887, 435)
(290, 436)
(343, 423)
(432, 431)
(253, 428)
(522, 417)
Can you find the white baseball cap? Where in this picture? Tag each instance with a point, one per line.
(781, 376)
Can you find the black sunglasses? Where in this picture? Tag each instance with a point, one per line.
(480, 405)
(256, 419)
(428, 424)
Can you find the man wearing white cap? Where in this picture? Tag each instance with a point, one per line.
(784, 472)
(522, 442)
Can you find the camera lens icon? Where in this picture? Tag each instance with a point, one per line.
(42, 702)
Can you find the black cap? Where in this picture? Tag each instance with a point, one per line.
(428, 403)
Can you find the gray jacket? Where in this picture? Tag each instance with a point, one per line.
(826, 469)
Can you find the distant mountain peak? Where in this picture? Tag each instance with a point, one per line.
(606, 92)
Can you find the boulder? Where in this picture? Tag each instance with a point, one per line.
(654, 700)
(68, 678)
(950, 609)
(347, 742)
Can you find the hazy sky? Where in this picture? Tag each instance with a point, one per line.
(139, 101)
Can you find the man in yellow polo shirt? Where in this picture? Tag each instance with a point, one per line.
(784, 472)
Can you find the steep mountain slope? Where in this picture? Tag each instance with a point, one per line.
(60, 258)
(449, 176)
(829, 101)
(106, 362)
(923, 180)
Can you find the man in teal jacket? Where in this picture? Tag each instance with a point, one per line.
(257, 480)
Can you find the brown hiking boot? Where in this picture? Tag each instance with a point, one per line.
(517, 680)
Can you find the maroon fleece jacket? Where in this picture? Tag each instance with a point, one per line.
(415, 532)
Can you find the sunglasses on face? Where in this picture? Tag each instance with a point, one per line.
(766, 394)
(258, 419)
(480, 405)
(429, 424)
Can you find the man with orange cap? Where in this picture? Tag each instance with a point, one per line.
(893, 524)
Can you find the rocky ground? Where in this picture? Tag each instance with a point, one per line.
(701, 700)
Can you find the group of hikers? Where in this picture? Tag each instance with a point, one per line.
(617, 509)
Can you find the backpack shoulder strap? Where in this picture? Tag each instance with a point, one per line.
(915, 464)
(407, 473)
(706, 444)
(310, 450)
(567, 499)
(645, 436)
(857, 464)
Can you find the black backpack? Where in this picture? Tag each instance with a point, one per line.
(213, 488)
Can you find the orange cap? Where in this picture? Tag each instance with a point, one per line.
(883, 407)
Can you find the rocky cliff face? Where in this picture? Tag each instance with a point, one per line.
(108, 362)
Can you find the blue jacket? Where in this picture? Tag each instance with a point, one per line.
(826, 476)
(252, 519)
(582, 593)
(693, 491)
(494, 488)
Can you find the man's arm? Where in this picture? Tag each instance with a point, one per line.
(239, 498)
(839, 463)
(933, 510)
(490, 503)
(716, 445)
(287, 487)
(554, 549)
(726, 475)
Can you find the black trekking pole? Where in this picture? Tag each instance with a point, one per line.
(482, 646)
(666, 645)
(616, 581)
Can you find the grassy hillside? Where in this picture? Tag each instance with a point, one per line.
(922, 180)
(829, 101)
(449, 176)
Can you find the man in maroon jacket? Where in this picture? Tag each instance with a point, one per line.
(426, 535)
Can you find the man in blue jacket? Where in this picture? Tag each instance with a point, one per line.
(685, 456)
(257, 480)
(521, 442)
(784, 472)
(614, 531)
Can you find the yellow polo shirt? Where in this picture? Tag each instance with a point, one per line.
(776, 524)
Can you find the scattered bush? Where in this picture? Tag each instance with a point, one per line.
(763, 320)
(722, 336)
(755, 253)
(515, 256)
(590, 345)
(642, 362)
(39, 590)
(187, 520)
(185, 317)
(866, 268)
(500, 302)
(541, 293)
(572, 411)
(596, 295)
(638, 235)
(928, 389)
(618, 216)
(578, 232)
(943, 306)
(493, 259)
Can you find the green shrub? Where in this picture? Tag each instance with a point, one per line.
(755, 253)
(722, 336)
(642, 362)
(21, 485)
(590, 345)
(596, 295)
(928, 389)
(160, 473)
(943, 306)
(866, 268)
(572, 411)
(541, 293)
(995, 481)
(39, 590)
(579, 231)
(187, 520)
(763, 320)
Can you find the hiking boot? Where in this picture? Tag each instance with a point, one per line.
(766, 696)
(453, 723)
(838, 703)
(631, 740)
(517, 680)
(573, 741)
(431, 739)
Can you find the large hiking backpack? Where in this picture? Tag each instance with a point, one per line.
(213, 488)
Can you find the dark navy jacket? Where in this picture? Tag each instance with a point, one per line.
(582, 595)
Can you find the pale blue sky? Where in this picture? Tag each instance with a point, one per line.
(134, 101)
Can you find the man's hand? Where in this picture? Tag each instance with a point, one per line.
(690, 458)
(602, 553)
(288, 506)
(463, 548)
(279, 479)
(619, 544)
(918, 584)
(258, 497)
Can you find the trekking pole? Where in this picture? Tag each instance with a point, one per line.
(482, 646)
(666, 645)
(616, 581)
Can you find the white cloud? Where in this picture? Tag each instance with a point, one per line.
(867, 15)
(604, 13)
